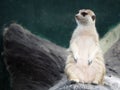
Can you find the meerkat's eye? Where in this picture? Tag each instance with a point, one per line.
(84, 13)
(93, 17)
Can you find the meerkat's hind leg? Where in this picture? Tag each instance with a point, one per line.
(99, 76)
(70, 67)
(72, 77)
(96, 82)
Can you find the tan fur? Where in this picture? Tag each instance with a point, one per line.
(84, 45)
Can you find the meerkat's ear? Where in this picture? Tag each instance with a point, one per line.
(93, 17)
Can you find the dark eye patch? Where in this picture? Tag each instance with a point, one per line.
(84, 13)
(93, 17)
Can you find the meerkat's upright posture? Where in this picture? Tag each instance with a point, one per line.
(85, 61)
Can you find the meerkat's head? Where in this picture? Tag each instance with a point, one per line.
(85, 17)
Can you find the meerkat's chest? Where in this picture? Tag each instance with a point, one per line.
(85, 41)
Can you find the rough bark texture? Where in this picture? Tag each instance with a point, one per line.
(38, 64)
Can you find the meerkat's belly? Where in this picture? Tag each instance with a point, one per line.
(85, 73)
(82, 48)
(82, 72)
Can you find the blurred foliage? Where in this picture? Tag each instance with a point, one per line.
(54, 20)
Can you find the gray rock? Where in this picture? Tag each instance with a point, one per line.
(33, 63)
(38, 64)
(112, 57)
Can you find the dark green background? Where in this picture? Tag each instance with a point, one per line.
(54, 20)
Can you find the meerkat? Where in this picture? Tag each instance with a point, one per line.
(85, 62)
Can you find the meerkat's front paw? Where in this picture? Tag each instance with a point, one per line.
(89, 61)
(76, 56)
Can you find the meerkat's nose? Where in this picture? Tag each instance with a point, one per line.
(76, 15)
(84, 13)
